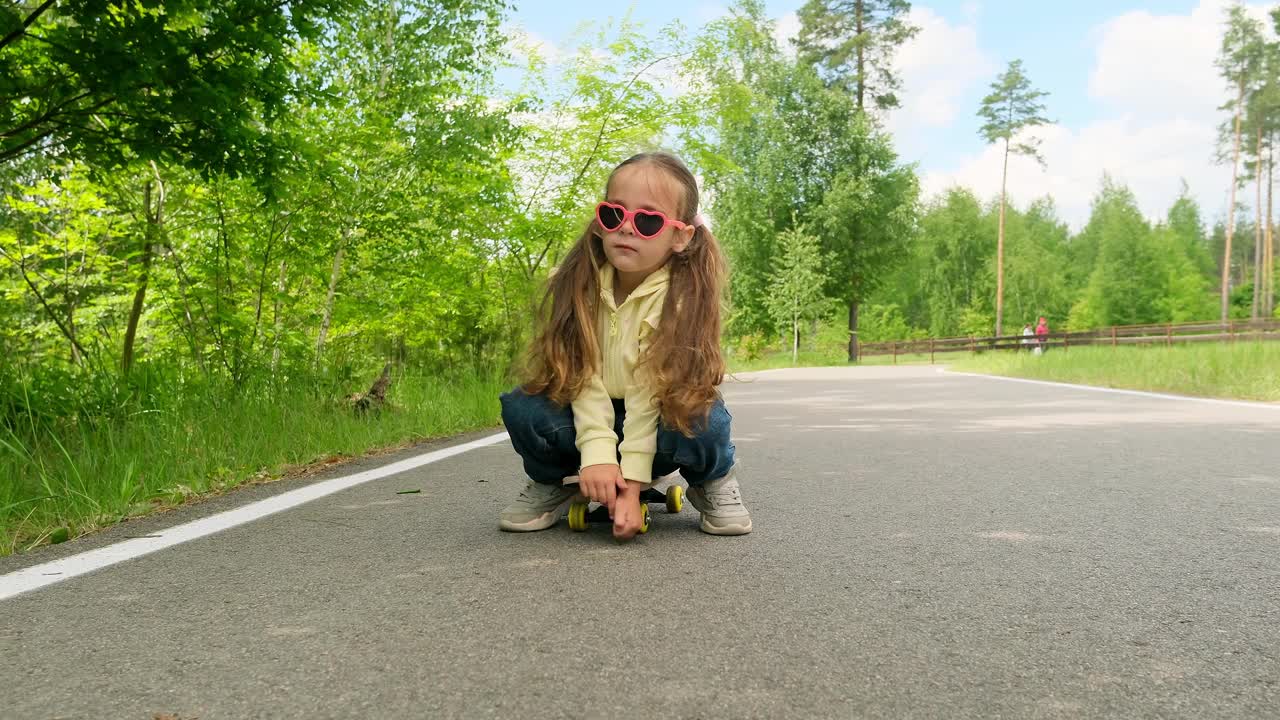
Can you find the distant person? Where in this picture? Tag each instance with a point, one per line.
(1027, 336)
(1042, 335)
(623, 387)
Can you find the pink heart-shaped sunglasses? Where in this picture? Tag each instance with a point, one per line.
(647, 223)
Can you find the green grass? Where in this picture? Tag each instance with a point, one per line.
(83, 475)
(773, 360)
(1245, 370)
(832, 358)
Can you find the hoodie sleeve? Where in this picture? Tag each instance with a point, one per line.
(593, 423)
(640, 425)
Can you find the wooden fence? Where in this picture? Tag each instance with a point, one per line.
(1157, 334)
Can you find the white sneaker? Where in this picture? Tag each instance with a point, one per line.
(537, 507)
(720, 502)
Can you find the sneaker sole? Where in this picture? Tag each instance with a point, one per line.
(733, 529)
(542, 522)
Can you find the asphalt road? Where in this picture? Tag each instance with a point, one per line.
(925, 545)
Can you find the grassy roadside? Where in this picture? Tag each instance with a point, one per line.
(1244, 371)
(86, 476)
(817, 358)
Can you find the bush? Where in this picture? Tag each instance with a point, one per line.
(751, 346)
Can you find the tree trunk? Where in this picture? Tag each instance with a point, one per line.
(68, 298)
(333, 287)
(859, 11)
(278, 319)
(154, 212)
(75, 358)
(1256, 306)
(1004, 175)
(1269, 304)
(795, 339)
(1231, 213)
(389, 59)
(853, 331)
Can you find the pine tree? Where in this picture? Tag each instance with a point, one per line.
(852, 43)
(1238, 62)
(1011, 107)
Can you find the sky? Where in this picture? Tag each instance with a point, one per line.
(1133, 90)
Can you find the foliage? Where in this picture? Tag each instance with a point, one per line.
(882, 323)
(196, 82)
(795, 291)
(852, 43)
(1011, 107)
(780, 148)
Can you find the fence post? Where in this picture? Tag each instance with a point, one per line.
(893, 346)
(1066, 341)
(1168, 334)
(930, 351)
(973, 347)
(1113, 336)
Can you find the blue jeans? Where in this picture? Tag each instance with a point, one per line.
(543, 434)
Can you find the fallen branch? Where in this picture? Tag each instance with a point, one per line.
(376, 397)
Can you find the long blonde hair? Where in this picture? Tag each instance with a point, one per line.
(683, 357)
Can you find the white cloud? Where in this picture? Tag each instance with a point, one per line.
(708, 11)
(938, 66)
(522, 44)
(1155, 77)
(786, 29)
(1152, 159)
(1163, 64)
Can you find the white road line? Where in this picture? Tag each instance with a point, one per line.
(1117, 391)
(38, 576)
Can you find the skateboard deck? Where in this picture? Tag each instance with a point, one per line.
(582, 515)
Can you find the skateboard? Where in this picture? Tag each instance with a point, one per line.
(581, 515)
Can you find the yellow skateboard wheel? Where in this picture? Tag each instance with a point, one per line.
(578, 516)
(644, 518)
(675, 499)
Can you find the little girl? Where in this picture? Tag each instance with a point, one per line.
(627, 362)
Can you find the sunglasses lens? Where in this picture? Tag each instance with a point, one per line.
(610, 217)
(648, 225)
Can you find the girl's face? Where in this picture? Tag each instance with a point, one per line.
(636, 187)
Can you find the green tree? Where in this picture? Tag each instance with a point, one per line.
(62, 243)
(407, 139)
(1184, 221)
(1261, 124)
(1262, 121)
(780, 147)
(852, 44)
(766, 137)
(1011, 108)
(952, 261)
(1036, 280)
(795, 290)
(1128, 278)
(198, 82)
(1239, 61)
(867, 218)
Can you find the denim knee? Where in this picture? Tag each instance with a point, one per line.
(707, 455)
(542, 433)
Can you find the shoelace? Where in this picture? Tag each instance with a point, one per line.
(527, 498)
(727, 495)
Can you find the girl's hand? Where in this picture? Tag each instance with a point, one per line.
(626, 517)
(601, 483)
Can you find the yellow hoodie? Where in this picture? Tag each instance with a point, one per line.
(622, 332)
